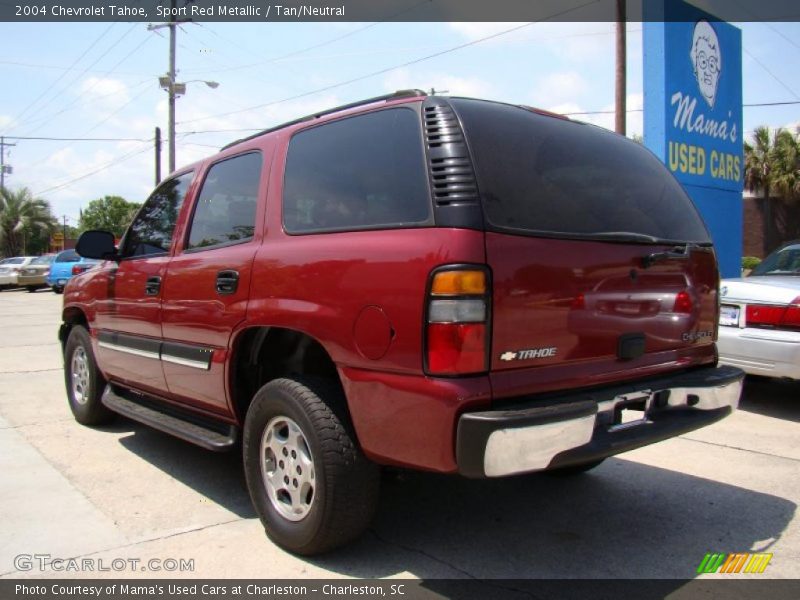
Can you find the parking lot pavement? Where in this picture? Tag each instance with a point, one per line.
(127, 492)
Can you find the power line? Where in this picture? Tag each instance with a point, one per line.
(108, 165)
(52, 85)
(313, 47)
(108, 72)
(388, 69)
(611, 112)
(103, 55)
(75, 139)
(775, 77)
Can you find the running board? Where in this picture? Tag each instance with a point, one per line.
(218, 437)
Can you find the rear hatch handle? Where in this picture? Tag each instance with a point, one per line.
(677, 253)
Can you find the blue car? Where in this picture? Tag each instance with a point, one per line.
(65, 265)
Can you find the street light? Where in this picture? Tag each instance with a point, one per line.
(175, 89)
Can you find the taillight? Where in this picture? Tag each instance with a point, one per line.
(770, 315)
(683, 303)
(76, 269)
(456, 335)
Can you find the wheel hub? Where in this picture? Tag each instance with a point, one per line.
(287, 468)
(79, 376)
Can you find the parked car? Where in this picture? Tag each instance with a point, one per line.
(34, 275)
(9, 269)
(65, 265)
(760, 317)
(337, 293)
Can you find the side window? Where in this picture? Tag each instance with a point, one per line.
(151, 230)
(226, 208)
(362, 172)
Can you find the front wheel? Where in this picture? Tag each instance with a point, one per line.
(309, 482)
(85, 383)
(32, 288)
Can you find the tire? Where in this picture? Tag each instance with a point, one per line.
(58, 290)
(85, 383)
(575, 469)
(298, 427)
(31, 288)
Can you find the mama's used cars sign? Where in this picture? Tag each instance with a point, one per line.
(693, 113)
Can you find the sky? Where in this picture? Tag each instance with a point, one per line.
(100, 80)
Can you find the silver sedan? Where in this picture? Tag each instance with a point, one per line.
(760, 317)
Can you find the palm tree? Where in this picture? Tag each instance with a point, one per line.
(21, 213)
(760, 172)
(786, 175)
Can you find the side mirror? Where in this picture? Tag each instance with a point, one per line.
(96, 244)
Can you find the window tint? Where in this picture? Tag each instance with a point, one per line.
(68, 256)
(151, 230)
(362, 172)
(542, 174)
(226, 208)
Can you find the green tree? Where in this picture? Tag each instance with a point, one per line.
(22, 217)
(786, 172)
(762, 169)
(111, 213)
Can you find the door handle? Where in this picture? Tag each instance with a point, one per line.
(227, 282)
(152, 286)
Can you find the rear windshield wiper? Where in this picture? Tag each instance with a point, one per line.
(681, 252)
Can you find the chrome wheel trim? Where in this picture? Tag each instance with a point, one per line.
(287, 468)
(79, 376)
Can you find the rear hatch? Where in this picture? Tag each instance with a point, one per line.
(602, 268)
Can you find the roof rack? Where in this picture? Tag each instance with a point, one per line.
(385, 98)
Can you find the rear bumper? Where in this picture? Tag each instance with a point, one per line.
(771, 353)
(570, 429)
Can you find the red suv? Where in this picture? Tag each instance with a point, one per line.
(435, 283)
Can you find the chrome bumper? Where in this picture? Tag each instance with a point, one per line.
(534, 435)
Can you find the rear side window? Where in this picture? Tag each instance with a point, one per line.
(362, 172)
(70, 256)
(540, 174)
(226, 208)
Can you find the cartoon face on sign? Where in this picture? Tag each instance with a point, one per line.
(706, 60)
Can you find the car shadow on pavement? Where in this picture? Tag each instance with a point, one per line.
(772, 398)
(622, 520)
(216, 475)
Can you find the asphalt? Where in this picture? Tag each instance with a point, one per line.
(127, 492)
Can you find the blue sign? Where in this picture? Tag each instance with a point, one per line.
(693, 114)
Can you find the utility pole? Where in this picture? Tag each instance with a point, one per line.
(64, 233)
(171, 74)
(4, 168)
(620, 111)
(158, 155)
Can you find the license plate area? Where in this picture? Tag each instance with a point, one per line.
(729, 315)
(630, 411)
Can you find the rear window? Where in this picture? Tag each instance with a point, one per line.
(543, 175)
(362, 172)
(69, 256)
(42, 260)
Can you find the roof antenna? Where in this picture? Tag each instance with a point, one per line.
(434, 91)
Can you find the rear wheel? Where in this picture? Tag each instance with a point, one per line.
(58, 290)
(85, 383)
(310, 483)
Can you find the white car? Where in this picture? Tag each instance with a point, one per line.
(760, 317)
(9, 269)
